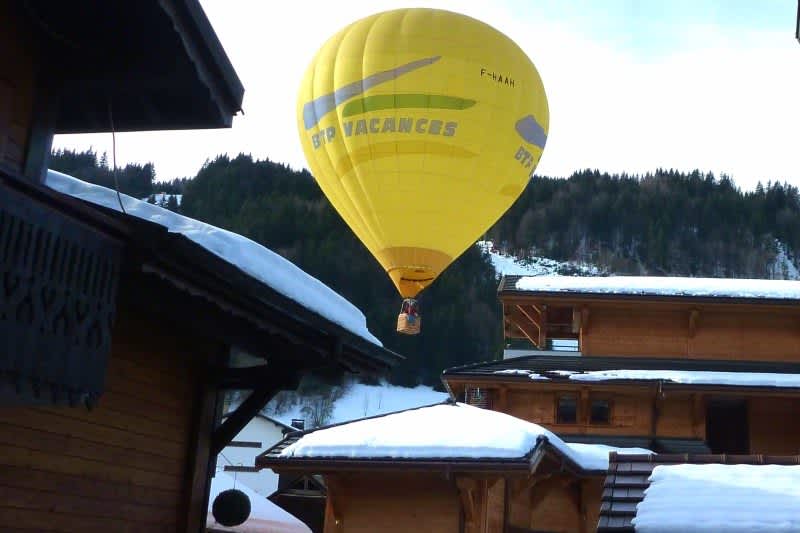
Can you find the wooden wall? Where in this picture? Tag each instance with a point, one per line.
(554, 503)
(391, 503)
(16, 88)
(632, 411)
(774, 427)
(122, 466)
(745, 333)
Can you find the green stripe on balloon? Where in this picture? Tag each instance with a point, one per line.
(402, 101)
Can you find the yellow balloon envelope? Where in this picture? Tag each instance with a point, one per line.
(422, 127)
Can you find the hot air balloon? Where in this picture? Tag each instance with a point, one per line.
(422, 127)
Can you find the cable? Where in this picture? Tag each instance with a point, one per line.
(114, 156)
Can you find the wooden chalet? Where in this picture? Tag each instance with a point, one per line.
(116, 335)
(430, 469)
(672, 365)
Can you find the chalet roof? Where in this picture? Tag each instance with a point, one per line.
(451, 436)
(157, 63)
(557, 370)
(629, 478)
(719, 290)
(201, 258)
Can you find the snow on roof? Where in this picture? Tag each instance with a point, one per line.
(719, 497)
(695, 377)
(443, 431)
(265, 516)
(664, 286)
(254, 259)
(595, 456)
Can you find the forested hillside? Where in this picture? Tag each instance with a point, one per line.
(666, 223)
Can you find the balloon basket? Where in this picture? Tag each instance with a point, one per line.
(408, 324)
(408, 321)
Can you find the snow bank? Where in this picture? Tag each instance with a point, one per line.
(254, 259)
(265, 516)
(695, 377)
(664, 286)
(717, 497)
(445, 431)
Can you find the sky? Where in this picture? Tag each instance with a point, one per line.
(632, 85)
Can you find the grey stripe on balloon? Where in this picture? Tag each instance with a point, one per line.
(314, 110)
(531, 131)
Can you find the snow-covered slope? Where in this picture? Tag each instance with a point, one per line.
(784, 266)
(360, 400)
(537, 266)
(161, 198)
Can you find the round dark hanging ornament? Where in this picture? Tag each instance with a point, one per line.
(231, 507)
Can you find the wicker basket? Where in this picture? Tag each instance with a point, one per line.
(408, 324)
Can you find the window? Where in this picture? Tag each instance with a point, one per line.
(600, 412)
(567, 410)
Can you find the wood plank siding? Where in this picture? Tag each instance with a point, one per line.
(391, 502)
(748, 332)
(123, 466)
(17, 74)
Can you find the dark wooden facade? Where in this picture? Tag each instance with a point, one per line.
(116, 336)
(126, 464)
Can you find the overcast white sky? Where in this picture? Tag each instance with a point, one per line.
(632, 85)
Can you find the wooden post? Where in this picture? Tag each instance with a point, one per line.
(502, 400)
(698, 416)
(467, 489)
(334, 518)
(201, 465)
(583, 337)
(583, 409)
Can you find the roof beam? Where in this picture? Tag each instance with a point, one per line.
(526, 326)
(278, 379)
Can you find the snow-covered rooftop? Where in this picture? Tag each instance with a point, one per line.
(687, 377)
(664, 286)
(265, 516)
(719, 497)
(443, 431)
(254, 259)
(695, 377)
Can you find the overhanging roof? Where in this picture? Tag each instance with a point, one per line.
(157, 63)
(544, 454)
(543, 371)
(569, 289)
(214, 297)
